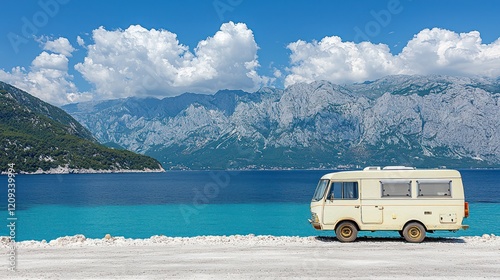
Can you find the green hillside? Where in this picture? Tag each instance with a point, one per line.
(36, 135)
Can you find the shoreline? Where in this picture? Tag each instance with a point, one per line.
(64, 170)
(80, 240)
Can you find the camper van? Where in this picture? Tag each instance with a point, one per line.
(404, 199)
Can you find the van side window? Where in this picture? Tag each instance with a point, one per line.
(344, 190)
(395, 188)
(434, 188)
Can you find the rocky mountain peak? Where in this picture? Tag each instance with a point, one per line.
(416, 120)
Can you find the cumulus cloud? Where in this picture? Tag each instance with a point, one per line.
(334, 60)
(431, 51)
(447, 52)
(50, 61)
(143, 62)
(138, 61)
(48, 77)
(80, 41)
(277, 73)
(60, 45)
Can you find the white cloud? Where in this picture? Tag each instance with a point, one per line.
(277, 73)
(48, 77)
(435, 51)
(334, 60)
(80, 41)
(447, 52)
(138, 61)
(60, 45)
(50, 61)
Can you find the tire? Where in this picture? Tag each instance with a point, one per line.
(414, 232)
(346, 232)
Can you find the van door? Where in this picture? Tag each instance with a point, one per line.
(372, 214)
(342, 202)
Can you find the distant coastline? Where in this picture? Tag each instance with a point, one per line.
(67, 170)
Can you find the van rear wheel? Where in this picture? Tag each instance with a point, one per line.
(414, 232)
(346, 232)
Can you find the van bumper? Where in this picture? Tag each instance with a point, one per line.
(315, 225)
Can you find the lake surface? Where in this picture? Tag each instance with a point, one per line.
(191, 203)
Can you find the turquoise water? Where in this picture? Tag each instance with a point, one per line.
(193, 203)
(141, 221)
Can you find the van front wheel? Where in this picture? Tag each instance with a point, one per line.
(346, 232)
(414, 232)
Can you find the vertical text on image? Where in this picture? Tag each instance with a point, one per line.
(12, 219)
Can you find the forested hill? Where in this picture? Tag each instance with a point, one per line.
(37, 136)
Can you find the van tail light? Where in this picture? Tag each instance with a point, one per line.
(466, 209)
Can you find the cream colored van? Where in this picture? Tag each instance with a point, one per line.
(398, 198)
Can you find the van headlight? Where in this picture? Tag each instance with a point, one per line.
(314, 217)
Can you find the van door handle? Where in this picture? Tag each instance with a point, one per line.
(357, 206)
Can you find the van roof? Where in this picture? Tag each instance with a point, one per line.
(393, 173)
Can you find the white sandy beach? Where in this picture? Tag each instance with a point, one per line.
(252, 257)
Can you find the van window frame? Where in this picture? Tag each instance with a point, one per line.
(435, 181)
(408, 195)
(325, 190)
(342, 188)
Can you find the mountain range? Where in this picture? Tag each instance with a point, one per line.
(423, 121)
(37, 138)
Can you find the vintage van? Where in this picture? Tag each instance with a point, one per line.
(404, 199)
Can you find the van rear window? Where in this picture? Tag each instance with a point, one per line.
(434, 188)
(395, 188)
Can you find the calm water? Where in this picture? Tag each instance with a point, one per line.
(191, 203)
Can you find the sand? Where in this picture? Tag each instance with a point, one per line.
(252, 257)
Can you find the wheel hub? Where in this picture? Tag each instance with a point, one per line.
(414, 232)
(346, 232)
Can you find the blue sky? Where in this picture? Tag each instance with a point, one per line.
(261, 43)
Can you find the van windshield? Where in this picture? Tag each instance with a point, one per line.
(320, 190)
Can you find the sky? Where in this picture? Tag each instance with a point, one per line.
(66, 51)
